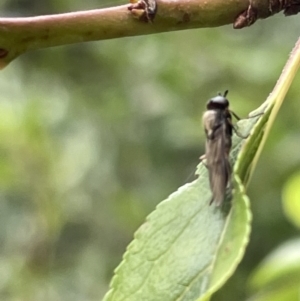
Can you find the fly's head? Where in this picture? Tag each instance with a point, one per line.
(219, 102)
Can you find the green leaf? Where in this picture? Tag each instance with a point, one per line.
(186, 249)
(286, 292)
(175, 252)
(290, 199)
(278, 277)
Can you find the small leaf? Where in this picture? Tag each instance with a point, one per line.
(286, 292)
(278, 277)
(290, 198)
(186, 249)
(174, 254)
(233, 243)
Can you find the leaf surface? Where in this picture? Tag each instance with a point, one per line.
(186, 249)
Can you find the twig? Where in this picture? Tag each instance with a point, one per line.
(19, 35)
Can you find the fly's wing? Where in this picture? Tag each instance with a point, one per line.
(218, 162)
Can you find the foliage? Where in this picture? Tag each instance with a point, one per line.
(278, 277)
(93, 136)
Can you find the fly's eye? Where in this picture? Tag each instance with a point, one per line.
(218, 102)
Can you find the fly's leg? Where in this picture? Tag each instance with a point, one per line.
(238, 118)
(238, 133)
(236, 130)
(249, 117)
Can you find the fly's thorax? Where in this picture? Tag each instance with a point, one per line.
(209, 120)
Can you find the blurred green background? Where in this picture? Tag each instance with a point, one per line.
(93, 136)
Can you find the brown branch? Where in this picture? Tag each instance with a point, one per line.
(19, 35)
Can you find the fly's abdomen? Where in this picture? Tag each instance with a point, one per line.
(219, 178)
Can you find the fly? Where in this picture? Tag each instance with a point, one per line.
(217, 121)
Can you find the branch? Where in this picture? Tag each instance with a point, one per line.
(19, 35)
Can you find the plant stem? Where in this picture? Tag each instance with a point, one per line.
(19, 35)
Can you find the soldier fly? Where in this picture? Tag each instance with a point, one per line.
(218, 127)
